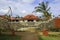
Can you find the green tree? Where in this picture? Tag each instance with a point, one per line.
(7, 16)
(44, 8)
(3, 24)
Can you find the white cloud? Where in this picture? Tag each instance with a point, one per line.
(38, 14)
(28, 1)
(17, 7)
(4, 11)
(23, 11)
(20, 5)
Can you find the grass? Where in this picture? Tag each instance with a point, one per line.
(48, 38)
(9, 37)
(51, 36)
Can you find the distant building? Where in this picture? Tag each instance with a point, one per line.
(3, 16)
(32, 21)
(27, 18)
(57, 22)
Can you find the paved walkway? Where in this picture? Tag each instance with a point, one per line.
(25, 35)
(29, 36)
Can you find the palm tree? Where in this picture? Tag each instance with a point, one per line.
(43, 7)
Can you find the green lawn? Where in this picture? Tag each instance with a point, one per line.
(50, 37)
(9, 37)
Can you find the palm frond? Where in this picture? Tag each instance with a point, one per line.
(46, 5)
(43, 7)
(48, 9)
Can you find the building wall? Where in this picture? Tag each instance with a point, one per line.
(57, 22)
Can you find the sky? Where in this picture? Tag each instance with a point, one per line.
(25, 7)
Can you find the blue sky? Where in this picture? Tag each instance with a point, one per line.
(24, 7)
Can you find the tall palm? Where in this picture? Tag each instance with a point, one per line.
(43, 7)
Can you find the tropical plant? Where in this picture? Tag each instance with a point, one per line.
(3, 24)
(44, 8)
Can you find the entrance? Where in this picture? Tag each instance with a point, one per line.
(30, 20)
